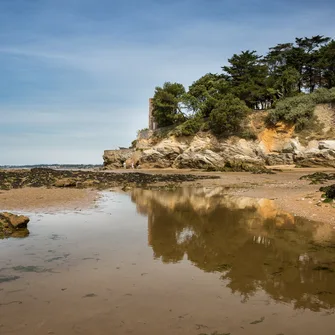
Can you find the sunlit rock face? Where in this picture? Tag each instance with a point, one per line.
(277, 145)
(254, 245)
(274, 146)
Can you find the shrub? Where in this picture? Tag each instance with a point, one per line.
(299, 110)
(205, 126)
(189, 127)
(228, 116)
(323, 95)
(248, 134)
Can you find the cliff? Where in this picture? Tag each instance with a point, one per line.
(278, 145)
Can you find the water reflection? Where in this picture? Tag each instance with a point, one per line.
(249, 241)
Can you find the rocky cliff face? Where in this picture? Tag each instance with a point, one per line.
(279, 145)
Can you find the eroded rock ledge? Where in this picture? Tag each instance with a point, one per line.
(269, 146)
(204, 150)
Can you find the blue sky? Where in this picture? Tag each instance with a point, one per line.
(76, 75)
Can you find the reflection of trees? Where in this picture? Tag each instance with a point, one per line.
(249, 241)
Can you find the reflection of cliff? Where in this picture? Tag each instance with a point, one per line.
(249, 241)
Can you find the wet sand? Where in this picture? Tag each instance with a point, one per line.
(296, 196)
(47, 199)
(291, 194)
(169, 262)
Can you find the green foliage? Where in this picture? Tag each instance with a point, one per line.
(204, 94)
(322, 95)
(248, 134)
(247, 74)
(299, 110)
(309, 57)
(167, 104)
(228, 115)
(285, 82)
(280, 80)
(296, 110)
(327, 64)
(189, 127)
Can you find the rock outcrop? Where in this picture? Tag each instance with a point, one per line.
(279, 145)
(204, 150)
(12, 225)
(115, 158)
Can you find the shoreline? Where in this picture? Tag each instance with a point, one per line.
(289, 193)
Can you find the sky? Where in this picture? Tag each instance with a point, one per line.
(76, 75)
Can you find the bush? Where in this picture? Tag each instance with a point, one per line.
(228, 116)
(205, 126)
(189, 127)
(299, 110)
(323, 95)
(248, 134)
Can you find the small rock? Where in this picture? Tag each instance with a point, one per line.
(12, 225)
(16, 221)
(65, 182)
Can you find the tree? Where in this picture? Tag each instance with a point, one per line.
(311, 71)
(247, 74)
(227, 117)
(167, 104)
(276, 59)
(205, 93)
(286, 83)
(327, 64)
(284, 76)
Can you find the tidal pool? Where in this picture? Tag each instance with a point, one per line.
(185, 261)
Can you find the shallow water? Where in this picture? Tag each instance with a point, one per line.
(189, 261)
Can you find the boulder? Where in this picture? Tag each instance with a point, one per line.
(65, 182)
(154, 158)
(240, 147)
(279, 159)
(328, 145)
(12, 225)
(314, 158)
(329, 191)
(114, 159)
(198, 159)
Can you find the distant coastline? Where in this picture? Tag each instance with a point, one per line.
(53, 166)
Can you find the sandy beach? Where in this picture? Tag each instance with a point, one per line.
(47, 200)
(291, 194)
(205, 256)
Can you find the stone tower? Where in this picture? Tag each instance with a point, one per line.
(152, 122)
